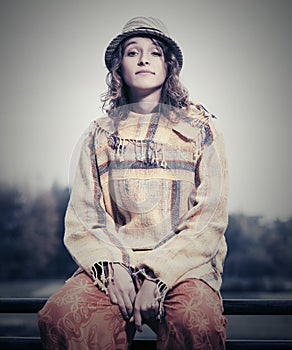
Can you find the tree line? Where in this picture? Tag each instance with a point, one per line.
(32, 228)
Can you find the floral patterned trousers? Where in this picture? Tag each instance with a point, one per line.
(81, 317)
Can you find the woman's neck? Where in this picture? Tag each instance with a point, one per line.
(143, 107)
(146, 103)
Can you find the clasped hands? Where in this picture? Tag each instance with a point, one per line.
(135, 307)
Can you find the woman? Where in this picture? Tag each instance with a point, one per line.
(148, 210)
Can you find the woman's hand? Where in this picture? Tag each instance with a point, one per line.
(146, 306)
(121, 290)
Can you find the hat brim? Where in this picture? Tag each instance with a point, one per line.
(143, 32)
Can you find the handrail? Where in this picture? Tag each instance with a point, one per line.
(231, 306)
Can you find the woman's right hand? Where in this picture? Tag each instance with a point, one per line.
(121, 290)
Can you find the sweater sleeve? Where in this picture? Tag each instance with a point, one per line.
(90, 233)
(199, 233)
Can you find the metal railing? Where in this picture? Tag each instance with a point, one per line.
(231, 307)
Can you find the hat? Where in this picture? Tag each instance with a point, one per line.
(143, 26)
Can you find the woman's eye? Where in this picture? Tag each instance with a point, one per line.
(132, 53)
(157, 53)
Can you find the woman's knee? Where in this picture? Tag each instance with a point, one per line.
(52, 313)
(193, 316)
(192, 329)
(66, 310)
(81, 314)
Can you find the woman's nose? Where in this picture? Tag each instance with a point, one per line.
(143, 60)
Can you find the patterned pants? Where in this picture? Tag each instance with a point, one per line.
(79, 316)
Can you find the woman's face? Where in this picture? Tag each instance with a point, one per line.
(143, 66)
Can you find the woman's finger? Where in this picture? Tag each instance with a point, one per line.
(132, 294)
(117, 299)
(112, 295)
(122, 307)
(138, 319)
(125, 300)
(128, 305)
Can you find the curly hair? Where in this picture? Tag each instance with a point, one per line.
(173, 93)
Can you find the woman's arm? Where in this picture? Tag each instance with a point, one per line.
(90, 233)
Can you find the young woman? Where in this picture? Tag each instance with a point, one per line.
(148, 210)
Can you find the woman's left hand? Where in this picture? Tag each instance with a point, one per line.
(146, 306)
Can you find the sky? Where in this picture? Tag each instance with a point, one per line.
(237, 63)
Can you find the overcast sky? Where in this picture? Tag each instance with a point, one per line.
(238, 63)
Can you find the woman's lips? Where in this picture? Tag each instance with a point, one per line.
(144, 71)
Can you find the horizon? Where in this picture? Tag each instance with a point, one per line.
(237, 63)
